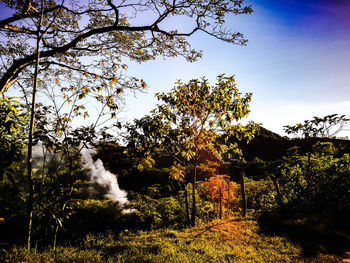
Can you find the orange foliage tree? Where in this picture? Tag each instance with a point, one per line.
(221, 192)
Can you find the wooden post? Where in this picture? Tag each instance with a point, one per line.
(194, 209)
(220, 203)
(228, 199)
(244, 199)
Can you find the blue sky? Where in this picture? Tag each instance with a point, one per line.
(296, 62)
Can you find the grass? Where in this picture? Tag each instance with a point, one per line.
(233, 240)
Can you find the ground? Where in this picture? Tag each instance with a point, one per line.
(230, 240)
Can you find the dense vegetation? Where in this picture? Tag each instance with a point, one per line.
(312, 201)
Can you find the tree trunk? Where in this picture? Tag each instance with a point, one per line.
(244, 199)
(187, 206)
(194, 211)
(214, 207)
(41, 188)
(55, 237)
(30, 204)
(65, 200)
(279, 196)
(308, 164)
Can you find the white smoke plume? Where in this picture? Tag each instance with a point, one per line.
(101, 176)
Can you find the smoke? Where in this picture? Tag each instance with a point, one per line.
(39, 151)
(101, 176)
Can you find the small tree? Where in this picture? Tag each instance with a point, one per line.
(189, 121)
(178, 172)
(63, 140)
(57, 132)
(221, 191)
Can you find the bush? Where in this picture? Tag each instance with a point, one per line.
(261, 196)
(160, 212)
(314, 183)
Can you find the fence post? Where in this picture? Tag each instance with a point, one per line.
(244, 199)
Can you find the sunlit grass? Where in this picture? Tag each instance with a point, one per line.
(233, 240)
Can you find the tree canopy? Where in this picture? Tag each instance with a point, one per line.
(90, 38)
(191, 118)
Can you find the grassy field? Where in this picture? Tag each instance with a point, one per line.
(233, 240)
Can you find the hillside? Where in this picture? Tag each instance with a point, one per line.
(270, 146)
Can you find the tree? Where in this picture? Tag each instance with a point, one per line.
(91, 38)
(327, 127)
(12, 121)
(62, 139)
(39, 35)
(57, 131)
(189, 121)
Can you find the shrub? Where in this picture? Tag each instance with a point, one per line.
(316, 182)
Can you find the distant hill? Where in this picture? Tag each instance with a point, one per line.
(269, 146)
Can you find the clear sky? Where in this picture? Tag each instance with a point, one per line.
(296, 63)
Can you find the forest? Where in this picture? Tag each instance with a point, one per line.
(190, 181)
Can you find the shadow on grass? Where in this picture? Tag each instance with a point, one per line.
(310, 235)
